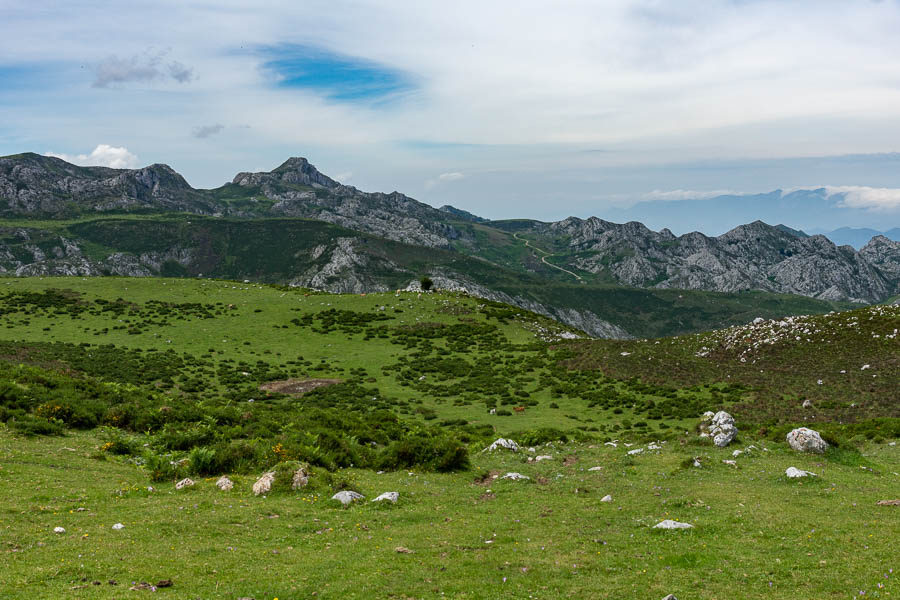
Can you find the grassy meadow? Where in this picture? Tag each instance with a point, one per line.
(113, 389)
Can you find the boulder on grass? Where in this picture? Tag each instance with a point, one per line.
(503, 444)
(391, 497)
(806, 440)
(224, 484)
(347, 497)
(263, 485)
(184, 483)
(722, 429)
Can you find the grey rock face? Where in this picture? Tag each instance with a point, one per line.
(806, 440)
(753, 256)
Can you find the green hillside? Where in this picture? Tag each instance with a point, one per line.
(112, 389)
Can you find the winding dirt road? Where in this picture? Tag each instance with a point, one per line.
(544, 258)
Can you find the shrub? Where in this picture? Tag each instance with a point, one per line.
(437, 453)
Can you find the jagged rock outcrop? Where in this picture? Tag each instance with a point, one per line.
(36, 185)
(755, 256)
(884, 255)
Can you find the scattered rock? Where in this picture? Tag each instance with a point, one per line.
(542, 457)
(164, 583)
(347, 497)
(118, 526)
(672, 596)
(402, 550)
(502, 444)
(224, 484)
(299, 479)
(697, 463)
(794, 473)
(595, 469)
(722, 429)
(184, 483)
(59, 530)
(733, 463)
(888, 503)
(263, 485)
(515, 477)
(389, 496)
(635, 451)
(670, 524)
(807, 403)
(606, 498)
(806, 440)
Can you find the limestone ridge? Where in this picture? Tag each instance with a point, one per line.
(753, 256)
(32, 185)
(43, 186)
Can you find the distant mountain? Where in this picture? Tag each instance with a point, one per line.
(298, 226)
(793, 232)
(462, 214)
(817, 210)
(755, 256)
(859, 237)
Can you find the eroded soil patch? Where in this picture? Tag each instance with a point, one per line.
(296, 387)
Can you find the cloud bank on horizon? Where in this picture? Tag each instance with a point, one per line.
(528, 110)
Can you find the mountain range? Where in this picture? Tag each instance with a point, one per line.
(297, 226)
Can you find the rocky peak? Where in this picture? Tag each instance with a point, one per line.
(295, 170)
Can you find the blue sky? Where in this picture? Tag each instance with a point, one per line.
(506, 109)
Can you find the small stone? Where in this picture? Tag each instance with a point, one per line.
(184, 483)
(794, 473)
(59, 530)
(118, 526)
(595, 469)
(515, 477)
(635, 451)
(402, 550)
(670, 524)
(606, 498)
(389, 496)
(888, 503)
(224, 484)
(542, 457)
(672, 596)
(347, 497)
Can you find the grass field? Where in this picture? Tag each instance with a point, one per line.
(756, 534)
(111, 386)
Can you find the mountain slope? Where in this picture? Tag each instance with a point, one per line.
(570, 252)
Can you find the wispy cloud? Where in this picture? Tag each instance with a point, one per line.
(868, 198)
(205, 131)
(675, 195)
(443, 178)
(104, 155)
(146, 67)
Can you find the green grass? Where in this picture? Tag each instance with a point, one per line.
(145, 381)
(757, 534)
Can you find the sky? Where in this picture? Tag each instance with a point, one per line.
(506, 109)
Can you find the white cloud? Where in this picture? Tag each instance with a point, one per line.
(444, 178)
(103, 155)
(868, 198)
(674, 195)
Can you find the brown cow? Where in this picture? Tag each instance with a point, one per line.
(519, 409)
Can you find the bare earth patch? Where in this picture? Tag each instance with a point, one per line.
(296, 387)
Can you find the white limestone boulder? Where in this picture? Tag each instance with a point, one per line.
(803, 439)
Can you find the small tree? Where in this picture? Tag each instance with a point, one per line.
(426, 283)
